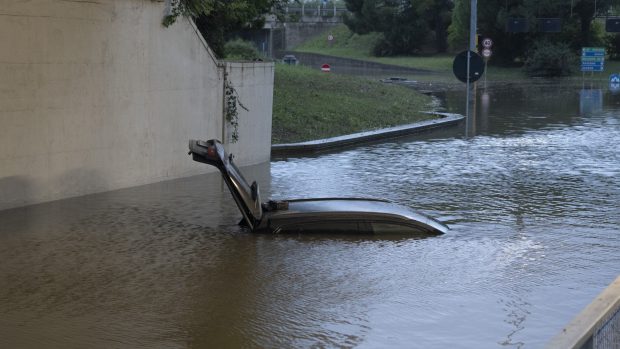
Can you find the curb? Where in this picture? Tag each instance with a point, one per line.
(321, 145)
(316, 59)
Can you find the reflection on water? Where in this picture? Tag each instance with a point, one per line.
(590, 101)
(532, 201)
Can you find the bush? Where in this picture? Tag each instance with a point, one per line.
(548, 59)
(612, 43)
(239, 49)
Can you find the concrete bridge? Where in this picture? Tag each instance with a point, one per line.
(300, 24)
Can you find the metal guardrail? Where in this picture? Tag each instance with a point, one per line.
(596, 327)
(319, 11)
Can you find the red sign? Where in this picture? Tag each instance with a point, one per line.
(325, 68)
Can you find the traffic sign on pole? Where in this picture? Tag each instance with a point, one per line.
(461, 70)
(592, 59)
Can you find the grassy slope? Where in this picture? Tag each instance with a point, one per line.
(350, 45)
(309, 104)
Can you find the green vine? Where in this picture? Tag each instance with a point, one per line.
(188, 8)
(231, 100)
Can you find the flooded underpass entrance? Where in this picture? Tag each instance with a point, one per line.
(532, 197)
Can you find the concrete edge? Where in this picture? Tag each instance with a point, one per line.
(354, 62)
(579, 331)
(320, 145)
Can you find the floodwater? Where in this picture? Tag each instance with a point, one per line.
(531, 194)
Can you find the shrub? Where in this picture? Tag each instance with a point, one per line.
(239, 49)
(612, 43)
(548, 59)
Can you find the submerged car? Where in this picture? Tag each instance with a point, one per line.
(324, 215)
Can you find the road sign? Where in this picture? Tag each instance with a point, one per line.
(476, 69)
(593, 52)
(487, 43)
(592, 59)
(325, 68)
(486, 53)
(330, 37)
(614, 79)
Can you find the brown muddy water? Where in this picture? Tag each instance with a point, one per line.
(532, 197)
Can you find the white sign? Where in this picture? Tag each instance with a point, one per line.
(487, 43)
(330, 37)
(486, 53)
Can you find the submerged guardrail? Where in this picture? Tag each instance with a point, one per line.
(596, 327)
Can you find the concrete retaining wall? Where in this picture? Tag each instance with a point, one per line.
(296, 33)
(254, 84)
(96, 96)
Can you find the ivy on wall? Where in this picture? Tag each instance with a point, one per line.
(231, 101)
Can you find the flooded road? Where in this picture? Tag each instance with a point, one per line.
(532, 197)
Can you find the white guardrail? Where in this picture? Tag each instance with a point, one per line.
(596, 327)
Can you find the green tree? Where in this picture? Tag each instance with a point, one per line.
(577, 21)
(458, 31)
(586, 10)
(216, 18)
(405, 24)
(438, 15)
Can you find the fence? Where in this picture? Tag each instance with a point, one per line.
(318, 11)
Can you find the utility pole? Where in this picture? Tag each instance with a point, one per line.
(473, 21)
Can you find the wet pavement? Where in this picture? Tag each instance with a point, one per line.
(532, 196)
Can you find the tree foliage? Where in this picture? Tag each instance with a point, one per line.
(550, 59)
(405, 24)
(216, 18)
(578, 28)
(239, 49)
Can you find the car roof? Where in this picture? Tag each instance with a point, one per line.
(351, 209)
(375, 207)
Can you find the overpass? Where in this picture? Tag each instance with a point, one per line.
(300, 24)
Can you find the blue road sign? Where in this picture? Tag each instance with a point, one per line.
(592, 59)
(593, 51)
(599, 68)
(614, 83)
(592, 64)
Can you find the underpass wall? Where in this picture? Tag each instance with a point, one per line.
(97, 96)
(297, 33)
(254, 84)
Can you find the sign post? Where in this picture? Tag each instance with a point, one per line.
(486, 53)
(468, 72)
(473, 22)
